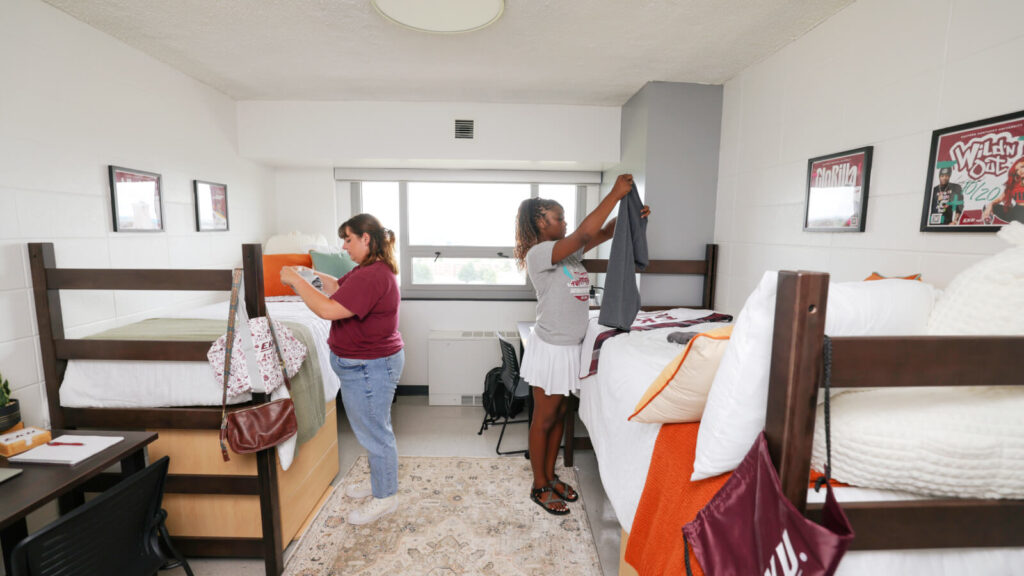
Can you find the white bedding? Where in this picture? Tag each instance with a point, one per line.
(150, 384)
(965, 442)
(629, 363)
(645, 321)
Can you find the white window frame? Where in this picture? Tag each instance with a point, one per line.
(584, 181)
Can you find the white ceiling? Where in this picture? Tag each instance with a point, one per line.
(585, 52)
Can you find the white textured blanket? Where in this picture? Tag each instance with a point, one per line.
(962, 442)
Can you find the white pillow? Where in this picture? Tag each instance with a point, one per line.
(988, 297)
(735, 411)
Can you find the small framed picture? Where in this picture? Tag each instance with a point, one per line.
(975, 176)
(837, 191)
(211, 206)
(135, 200)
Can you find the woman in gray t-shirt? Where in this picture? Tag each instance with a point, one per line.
(552, 358)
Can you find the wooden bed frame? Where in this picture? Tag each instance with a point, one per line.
(797, 372)
(247, 507)
(706, 268)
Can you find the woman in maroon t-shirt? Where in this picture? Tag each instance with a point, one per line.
(366, 351)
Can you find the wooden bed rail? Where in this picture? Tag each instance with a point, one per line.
(797, 371)
(925, 361)
(131, 279)
(708, 268)
(47, 282)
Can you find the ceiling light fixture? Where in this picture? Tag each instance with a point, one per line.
(441, 16)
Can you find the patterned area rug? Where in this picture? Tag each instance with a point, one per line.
(455, 516)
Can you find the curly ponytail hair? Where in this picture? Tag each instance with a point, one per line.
(382, 240)
(527, 233)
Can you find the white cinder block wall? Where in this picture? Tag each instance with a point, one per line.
(73, 101)
(881, 72)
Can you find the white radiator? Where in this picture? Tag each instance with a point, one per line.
(458, 362)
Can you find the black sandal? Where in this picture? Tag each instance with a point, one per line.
(535, 495)
(569, 495)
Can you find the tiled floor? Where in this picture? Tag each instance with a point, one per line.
(424, 430)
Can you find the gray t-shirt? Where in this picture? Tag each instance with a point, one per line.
(563, 295)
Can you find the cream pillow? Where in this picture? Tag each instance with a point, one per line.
(988, 297)
(678, 394)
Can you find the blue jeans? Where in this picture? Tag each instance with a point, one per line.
(367, 389)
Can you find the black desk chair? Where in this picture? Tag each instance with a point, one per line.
(120, 531)
(517, 392)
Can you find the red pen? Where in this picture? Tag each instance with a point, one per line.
(64, 444)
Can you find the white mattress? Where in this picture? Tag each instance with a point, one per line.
(629, 363)
(150, 384)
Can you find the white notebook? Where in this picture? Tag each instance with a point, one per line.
(67, 449)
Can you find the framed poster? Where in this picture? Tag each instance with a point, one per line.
(837, 191)
(975, 176)
(135, 200)
(211, 206)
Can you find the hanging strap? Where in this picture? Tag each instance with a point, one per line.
(827, 353)
(252, 365)
(686, 555)
(229, 345)
(277, 348)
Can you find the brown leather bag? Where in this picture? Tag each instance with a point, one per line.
(259, 427)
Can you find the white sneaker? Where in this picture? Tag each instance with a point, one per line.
(360, 490)
(373, 510)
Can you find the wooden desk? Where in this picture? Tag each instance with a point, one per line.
(40, 483)
(570, 441)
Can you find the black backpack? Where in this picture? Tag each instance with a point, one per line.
(495, 397)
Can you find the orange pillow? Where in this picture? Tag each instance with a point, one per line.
(272, 264)
(877, 276)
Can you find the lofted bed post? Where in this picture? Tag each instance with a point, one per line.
(270, 511)
(796, 370)
(266, 460)
(710, 273)
(49, 319)
(252, 265)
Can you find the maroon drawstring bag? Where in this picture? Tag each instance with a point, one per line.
(749, 527)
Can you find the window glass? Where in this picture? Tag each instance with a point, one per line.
(381, 200)
(464, 214)
(458, 237)
(564, 194)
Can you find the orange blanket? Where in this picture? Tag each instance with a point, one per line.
(669, 501)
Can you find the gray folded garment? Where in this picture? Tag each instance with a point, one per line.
(681, 337)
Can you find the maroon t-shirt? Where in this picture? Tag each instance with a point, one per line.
(371, 294)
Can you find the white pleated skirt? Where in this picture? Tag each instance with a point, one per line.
(551, 367)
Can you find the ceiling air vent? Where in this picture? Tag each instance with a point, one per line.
(464, 129)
